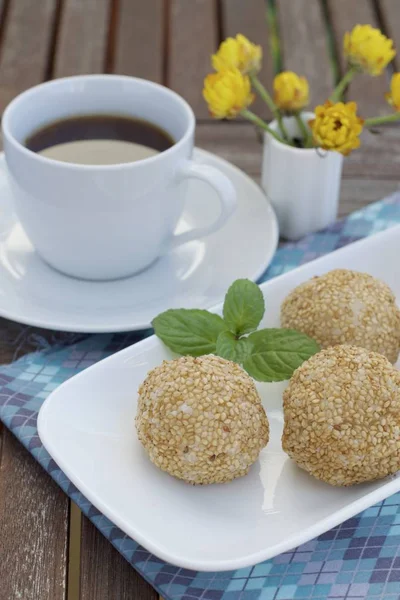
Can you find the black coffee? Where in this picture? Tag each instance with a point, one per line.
(99, 139)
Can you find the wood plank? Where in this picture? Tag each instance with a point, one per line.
(82, 37)
(236, 142)
(26, 46)
(74, 552)
(33, 510)
(249, 18)
(193, 37)
(139, 39)
(33, 526)
(378, 158)
(367, 91)
(355, 193)
(390, 12)
(105, 574)
(304, 45)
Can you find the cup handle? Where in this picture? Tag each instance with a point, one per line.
(226, 193)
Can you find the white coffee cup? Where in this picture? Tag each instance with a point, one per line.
(105, 221)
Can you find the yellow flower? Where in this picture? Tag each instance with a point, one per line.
(238, 53)
(227, 93)
(337, 127)
(368, 49)
(290, 91)
(393, 97)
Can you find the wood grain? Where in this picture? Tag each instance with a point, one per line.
(304, 45)
(367, 91)
(105, 575)
(33, 510)
(390, 12)
(33, 526)
(139, 39)
(377, 159)
(82, 37)
(26, 45)
(192, 38)
(74, 552)
(236, 142)
(355, 193)
(249, 18)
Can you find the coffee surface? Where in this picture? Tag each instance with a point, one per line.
(99, 139)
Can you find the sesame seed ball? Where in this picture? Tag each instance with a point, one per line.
(342, 416)
(201, 419)
(346, 307)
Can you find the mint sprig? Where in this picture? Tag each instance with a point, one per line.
(232, 348)
(266, 354)
(276, 353)
(189, 331)
(244, 307)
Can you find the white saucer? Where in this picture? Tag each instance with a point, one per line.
(195, 275)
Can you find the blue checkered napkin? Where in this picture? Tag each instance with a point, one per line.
(359, 560)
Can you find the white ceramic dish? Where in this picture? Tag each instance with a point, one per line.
(194, 275)
(87, 425)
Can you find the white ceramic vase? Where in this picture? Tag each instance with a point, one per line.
(302, 184)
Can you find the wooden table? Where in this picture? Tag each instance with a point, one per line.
(43, 543)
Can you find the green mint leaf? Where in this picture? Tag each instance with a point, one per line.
(243, 307)
(229, 347)
(189, 331)
(276, 353)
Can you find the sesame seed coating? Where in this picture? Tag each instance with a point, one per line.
(345, 307)
(201, 419)
(342, 416)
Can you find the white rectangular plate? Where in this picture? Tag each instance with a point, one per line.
(87, 425)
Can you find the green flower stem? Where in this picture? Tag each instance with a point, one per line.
(382, 120)
(260, 123)
(342, 85)
(258, 86)
(304, 130)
